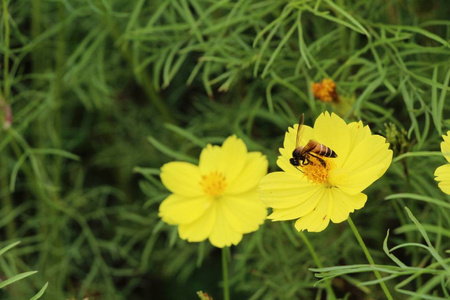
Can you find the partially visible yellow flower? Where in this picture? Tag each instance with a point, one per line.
(325, 90)
(315, 194)
(216, 199)
(442, 173)
(204, 296)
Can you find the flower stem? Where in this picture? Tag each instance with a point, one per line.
(226, 289)
(316, 259)
(369, 258)
(6, 87)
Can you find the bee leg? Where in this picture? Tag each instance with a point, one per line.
(299, 170)
(322, 162)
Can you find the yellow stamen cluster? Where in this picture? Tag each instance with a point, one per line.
(315, 172)
(213, 184)
(325, 91)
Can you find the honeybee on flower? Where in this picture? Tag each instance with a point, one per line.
(330, 188)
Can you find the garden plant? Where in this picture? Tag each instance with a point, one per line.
(221, 149)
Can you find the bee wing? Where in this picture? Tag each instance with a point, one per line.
(299, 130)
(308, 147)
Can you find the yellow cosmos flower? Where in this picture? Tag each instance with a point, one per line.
(325, 90)
(442, 173)
(315, 194)
(218, 198)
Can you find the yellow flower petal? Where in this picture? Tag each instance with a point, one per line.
(201, 228)
(343, 204)
(223, 234)
(333, 132)
(245, 212)
(445, 186)
(303, 202)
(360, 169)
(290, 139)
(374, 145)
(182, 178)
(300, 210)
(442, 174)
(229, 160)
(217, 199)
(445, 146)
(255, 168)
(209, 159)
(177, 209)
(285, 190)
(285, 165)
(358, 132)
(318, 219)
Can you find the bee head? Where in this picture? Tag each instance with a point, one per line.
(294, 162)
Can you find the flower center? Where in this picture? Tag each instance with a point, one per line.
(315, 172)
(213, 184)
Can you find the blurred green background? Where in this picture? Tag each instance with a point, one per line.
(102, 93)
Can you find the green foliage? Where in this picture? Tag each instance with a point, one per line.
(14, 278)
(103, 93)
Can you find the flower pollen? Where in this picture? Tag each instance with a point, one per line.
(315, 172)
(213, 184)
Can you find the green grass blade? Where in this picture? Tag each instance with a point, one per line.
(16, 278)
(40, 293)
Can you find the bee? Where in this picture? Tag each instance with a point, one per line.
(301, 156)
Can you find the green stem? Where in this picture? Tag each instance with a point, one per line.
(369, 258)
(7, 199)
(226, 288)
(6, 51)
(316, 259)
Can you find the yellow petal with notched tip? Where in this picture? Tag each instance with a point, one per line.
(343, 204)
(245, 213)
(445, 186)
(209, 159)
(284, 190)
(228, 160)
(177, 209)
(201, 228)
(442, 174)
(361, 170)
(254, 169)
(234, 157)
(289, 138)
(318, 219)
(182, 178)
(300, 210)
(223, 234)
(358, 132)
(445, 146)
(333, 132)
